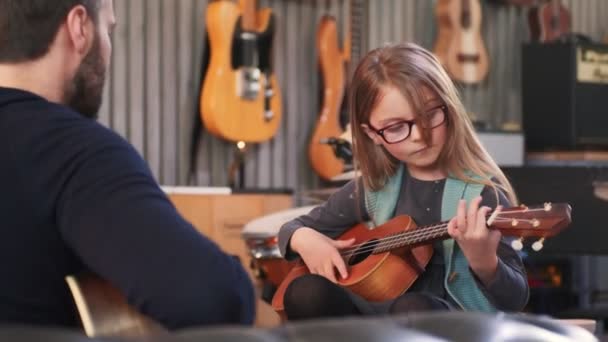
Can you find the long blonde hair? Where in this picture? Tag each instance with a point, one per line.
(413, 70)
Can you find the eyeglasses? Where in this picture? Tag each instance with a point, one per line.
(399, 131)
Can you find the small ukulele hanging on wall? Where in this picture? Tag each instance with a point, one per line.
(459, 45)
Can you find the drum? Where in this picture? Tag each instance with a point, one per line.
(261, 237)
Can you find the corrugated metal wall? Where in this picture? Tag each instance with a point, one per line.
(154, 79)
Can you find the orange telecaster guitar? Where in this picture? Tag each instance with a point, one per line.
(459, 45)
(335, 71)
(384, 262)
(240, 100)
(332, 63)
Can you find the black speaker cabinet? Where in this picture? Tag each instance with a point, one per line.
(565, 96)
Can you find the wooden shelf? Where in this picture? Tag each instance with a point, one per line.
(221, 217)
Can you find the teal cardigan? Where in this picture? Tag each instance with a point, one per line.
(462, 287)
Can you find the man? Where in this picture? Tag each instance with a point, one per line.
(78, 198)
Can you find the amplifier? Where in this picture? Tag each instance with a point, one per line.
(565, 95)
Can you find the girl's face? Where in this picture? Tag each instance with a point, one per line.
(392, 112)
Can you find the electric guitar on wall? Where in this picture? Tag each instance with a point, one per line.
(459, 44)
(240, 99)
(384, 262)
(336, 66)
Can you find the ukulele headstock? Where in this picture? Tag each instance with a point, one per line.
(540, 221)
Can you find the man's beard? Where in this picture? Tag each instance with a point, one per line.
(84, 92)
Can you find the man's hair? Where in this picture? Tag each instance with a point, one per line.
(28, 27)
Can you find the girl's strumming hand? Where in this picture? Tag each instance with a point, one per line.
(320, 253)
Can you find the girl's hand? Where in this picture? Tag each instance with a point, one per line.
(477, 242)
(320, 253)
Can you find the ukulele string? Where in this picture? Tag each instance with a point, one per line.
(441, 224)
(397, 236)
(408, 236)
(420, 233)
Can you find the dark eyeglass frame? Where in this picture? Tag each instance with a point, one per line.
(410, 123)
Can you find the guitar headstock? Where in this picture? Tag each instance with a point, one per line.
(541, 221)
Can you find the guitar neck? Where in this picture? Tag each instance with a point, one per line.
(249, 14)
(540, 221)
(355, 34)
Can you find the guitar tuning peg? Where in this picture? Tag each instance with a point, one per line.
(518, 244)
(538, 245)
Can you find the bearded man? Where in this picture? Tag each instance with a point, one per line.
(76, 197)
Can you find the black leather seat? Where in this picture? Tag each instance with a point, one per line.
(460, 326)
(350, 329)
(423, 327)
(26, 333)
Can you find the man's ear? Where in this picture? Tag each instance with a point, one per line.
(81, 30)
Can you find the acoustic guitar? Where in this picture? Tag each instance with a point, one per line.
(459, 45)
(384, 262)
(104, 311)
(336, 66)
(549, 21)
(240, 99)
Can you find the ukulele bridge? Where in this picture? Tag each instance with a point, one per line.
(468, 58)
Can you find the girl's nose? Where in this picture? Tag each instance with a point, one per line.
(416, 133)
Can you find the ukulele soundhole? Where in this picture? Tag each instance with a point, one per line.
(363, 252)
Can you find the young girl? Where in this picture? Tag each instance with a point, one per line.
(419, 156)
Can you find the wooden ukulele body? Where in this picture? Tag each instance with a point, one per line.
(459, 45)
(375, 277)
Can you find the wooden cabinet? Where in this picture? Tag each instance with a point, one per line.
(221, 215)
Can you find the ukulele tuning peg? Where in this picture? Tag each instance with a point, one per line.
(538, 245)
(514, 222)
(548, 206)
(518, 244)
(535, 223)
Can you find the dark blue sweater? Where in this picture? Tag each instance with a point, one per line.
(77, 197)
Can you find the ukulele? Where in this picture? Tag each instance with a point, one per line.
(240, 99)
(459, 45)
(384, 262)
(549, 21)
(336, 66)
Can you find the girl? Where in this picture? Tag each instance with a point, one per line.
(419, 156)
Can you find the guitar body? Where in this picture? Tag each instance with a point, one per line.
(240, 98)
(375, 277)
(466, 57)
(104, 311)
(554, 21)
(333, 72)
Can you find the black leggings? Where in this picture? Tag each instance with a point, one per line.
(313, 296)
